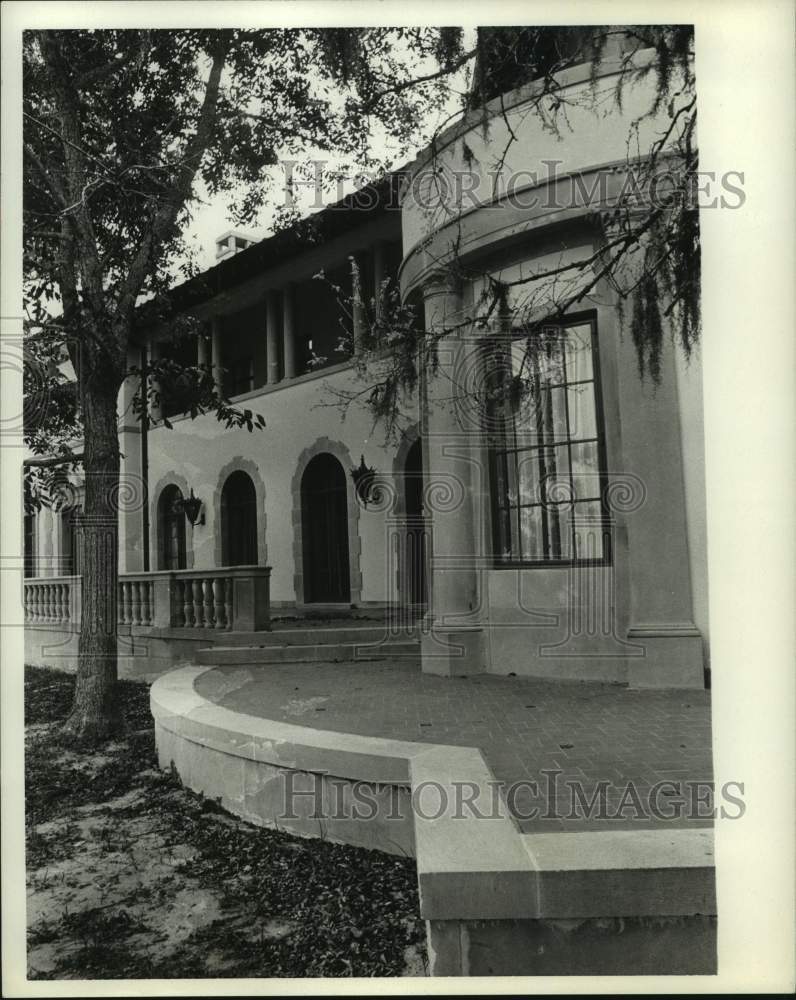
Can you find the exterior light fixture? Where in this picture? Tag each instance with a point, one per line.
(364, 480)
(192, 506)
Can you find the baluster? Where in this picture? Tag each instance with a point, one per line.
(177, 605)
(187, 605)
(198, 604)
(218, 602)
(50, 603)
(135, 603)
(228, 601)
(67, 601)
(28, 603)
(59, 602)
(146, 602)
(207, 588)
(39, 602)
(34, 599)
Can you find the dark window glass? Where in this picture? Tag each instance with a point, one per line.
(239, 521)
(239, 376)
(30, 544)
(172, 529)
(177, 387)
(546, 448)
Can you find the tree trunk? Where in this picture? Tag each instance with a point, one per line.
(96, 712)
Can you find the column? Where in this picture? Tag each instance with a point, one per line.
(661, 615)
(132, 495)
(215, 354)
(379, 274)
(288, 334)
(155, 408)
(357, 306)
(454, 643)
(272, 337)
(203, 350)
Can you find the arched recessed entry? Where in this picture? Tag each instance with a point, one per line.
(415, 537)
(171, 529)
(324, 532)
(239, 521)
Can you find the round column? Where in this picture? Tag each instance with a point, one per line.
(454, 643)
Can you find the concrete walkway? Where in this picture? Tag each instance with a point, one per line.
(550, 745)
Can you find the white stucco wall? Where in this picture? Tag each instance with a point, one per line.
(195, 452)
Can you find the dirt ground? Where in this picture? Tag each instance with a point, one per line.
(129, 875)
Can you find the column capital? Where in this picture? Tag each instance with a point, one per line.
(441, 282)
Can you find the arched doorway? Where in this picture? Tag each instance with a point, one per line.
(324, 532)
(239, 521)
(171, 523)
(415, 590)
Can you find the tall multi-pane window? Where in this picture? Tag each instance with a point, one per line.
(546, 447)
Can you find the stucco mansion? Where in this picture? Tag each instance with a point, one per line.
(561, 537)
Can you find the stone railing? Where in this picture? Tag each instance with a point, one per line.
(235, 598)
(52, 600)
(136, 599)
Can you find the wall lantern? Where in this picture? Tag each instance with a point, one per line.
(364, 482)
(192, 506)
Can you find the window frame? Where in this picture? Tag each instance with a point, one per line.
(496, 510)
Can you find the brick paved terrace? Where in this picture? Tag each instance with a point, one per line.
(540, 739)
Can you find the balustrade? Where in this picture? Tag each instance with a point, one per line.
(232, 598)
(52, 600)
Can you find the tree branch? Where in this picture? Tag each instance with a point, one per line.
(166, 216)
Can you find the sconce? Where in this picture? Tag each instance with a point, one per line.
(192, 506)
(364, 480)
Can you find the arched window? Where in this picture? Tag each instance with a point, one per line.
(239, 521)
(171, 521)
(324, 520)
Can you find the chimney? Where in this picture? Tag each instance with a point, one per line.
(232, 242)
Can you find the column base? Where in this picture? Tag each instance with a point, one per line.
(673, 657)
(453, 651)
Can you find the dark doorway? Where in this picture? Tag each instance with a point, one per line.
(415, 591)
(324, 529)
(171, 520)
(239, 521)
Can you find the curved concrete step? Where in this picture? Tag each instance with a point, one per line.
(333, 635)
(296, 653)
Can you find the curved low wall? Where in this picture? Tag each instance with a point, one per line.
(496, 902)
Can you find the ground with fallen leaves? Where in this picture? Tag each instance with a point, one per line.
(130, 875)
